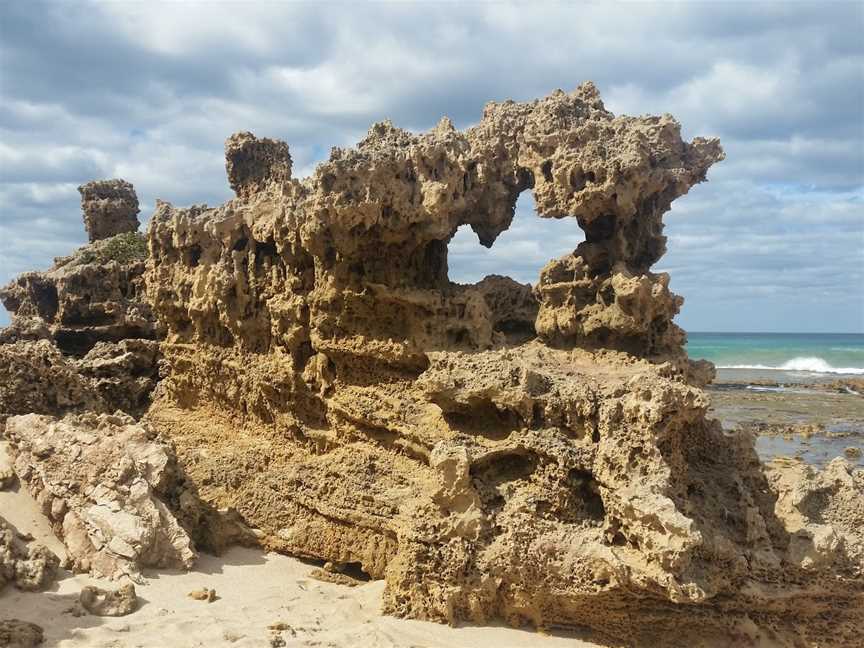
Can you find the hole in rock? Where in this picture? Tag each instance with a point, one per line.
(482, 418)
(587, 490)
(503, 468)
(192, 255)
(265, 248)
(45, 296)
(519, 253)
(355, 571)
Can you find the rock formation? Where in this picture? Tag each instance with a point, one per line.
(821, 511)
(95, 295)
(539, 454)
(101, 481)
(490, 450)
(35, 377)
(82, 335)
(110, 207)
(20, 634)
(24, 563)
(100, 602)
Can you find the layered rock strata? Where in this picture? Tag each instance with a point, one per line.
(101, 481)
(35, 377)
(492, 450)
(539, 454)
(82, 336)
(95, 295)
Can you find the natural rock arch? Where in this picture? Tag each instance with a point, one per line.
(520, 252)
(330, 393)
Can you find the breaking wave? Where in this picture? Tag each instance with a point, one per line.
(811, 364)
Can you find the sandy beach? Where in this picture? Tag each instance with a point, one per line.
(255, 591)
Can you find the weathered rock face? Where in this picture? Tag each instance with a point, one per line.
(821, 511)
(20, 634)
(362, 245)
(35, 377)
(541, 455)
(23, 563)
(110, 207)
(93, 296)
(101, 481)
(253, 163)
(82, 335)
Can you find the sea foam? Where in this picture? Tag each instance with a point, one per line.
(810, 364)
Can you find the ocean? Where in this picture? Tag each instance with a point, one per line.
(773, 379)
(799, 354)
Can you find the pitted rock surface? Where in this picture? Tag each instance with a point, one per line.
(78, 303)
(82, 335)
(110, 207)
(35, 377)
(541, 454)
(15, 633)
(23, 563)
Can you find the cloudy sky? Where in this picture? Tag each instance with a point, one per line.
(148, 92)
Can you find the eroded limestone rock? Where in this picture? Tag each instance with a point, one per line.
(35, 377)
(82, 336)
(15, 633)
(492, 450)
(93, 296)
(110, 207)
(23, 563)
(539, 453)
(253, 163)
(822, 512)
(100, 481)
(101, 602)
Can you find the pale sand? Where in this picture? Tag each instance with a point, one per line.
(255, 590)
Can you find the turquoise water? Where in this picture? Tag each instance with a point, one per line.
(815, 353)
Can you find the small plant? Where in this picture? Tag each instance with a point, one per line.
(122, 248)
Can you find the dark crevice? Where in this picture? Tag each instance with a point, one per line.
(192, 255)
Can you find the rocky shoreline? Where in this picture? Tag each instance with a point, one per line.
(294, 372)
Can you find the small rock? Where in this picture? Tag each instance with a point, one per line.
(203, 594)
(327, 576)
(232, 637)
(23, 563)
(102, 602)
(20, 634)
(852, 452)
